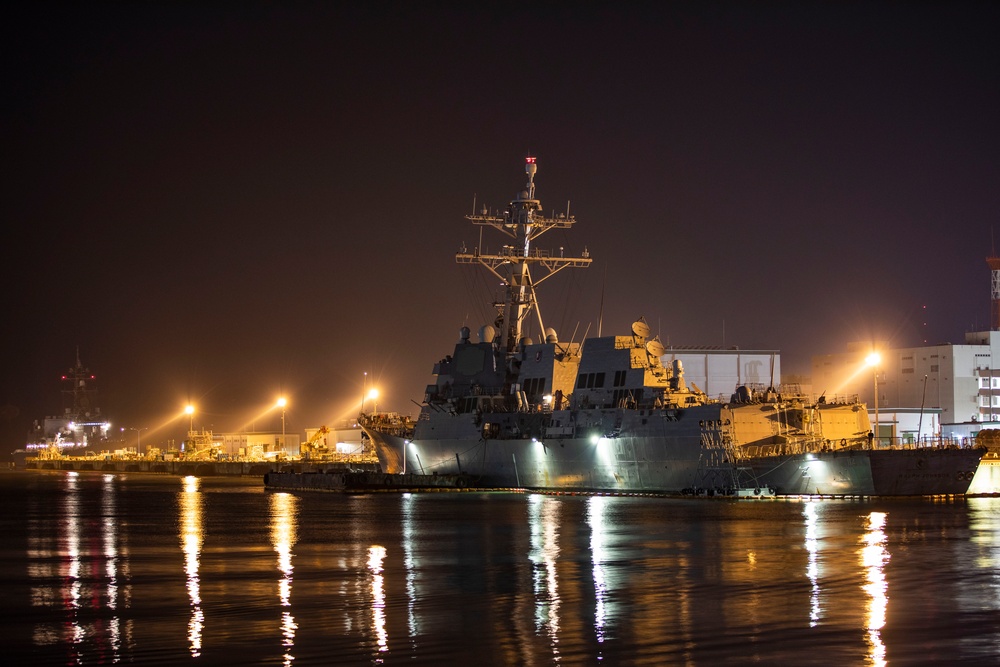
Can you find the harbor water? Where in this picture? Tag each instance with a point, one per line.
(153, 569)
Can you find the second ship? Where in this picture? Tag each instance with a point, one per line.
(606, 414)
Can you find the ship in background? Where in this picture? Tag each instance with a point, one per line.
(80, 427)
(608, 415)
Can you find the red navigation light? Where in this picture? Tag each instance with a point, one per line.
(63, 377)
(530, 160)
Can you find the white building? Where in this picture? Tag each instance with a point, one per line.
(960, 382)
(259, 444)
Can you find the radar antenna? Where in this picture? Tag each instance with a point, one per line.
(524, 222)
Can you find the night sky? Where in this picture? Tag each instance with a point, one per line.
(223, 203)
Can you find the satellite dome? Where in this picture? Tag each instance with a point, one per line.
(463, 334)
(486, 334)
(550, 336)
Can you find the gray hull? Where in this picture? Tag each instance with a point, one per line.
(622, 464)
(676, 465)
(897, 472)
(657, 454)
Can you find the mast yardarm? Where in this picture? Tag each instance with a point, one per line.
(523, 222)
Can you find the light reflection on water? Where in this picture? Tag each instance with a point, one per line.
(410, 564)
(543, 519)
(812, 566)
(596, 506)
(122, 570)
(191, 541)
(376, 555)
(874, 556)
(284, 508)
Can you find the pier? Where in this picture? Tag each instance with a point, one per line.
(197, 468)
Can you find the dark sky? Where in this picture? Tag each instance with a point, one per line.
(224, 202)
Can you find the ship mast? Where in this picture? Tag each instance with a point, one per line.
(81, 394)
(524, 222)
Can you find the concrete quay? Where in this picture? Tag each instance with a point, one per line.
(198, 468)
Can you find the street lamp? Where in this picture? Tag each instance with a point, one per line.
(281, 404)
(873, 360)
(189, 410)
(364, 385)
(138, 439)
(373, 395)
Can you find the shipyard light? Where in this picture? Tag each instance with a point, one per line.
(873, 360)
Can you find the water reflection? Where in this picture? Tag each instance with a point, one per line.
(543, 519)
(109, 536)
(527, 579)
(191, 541)
(284, 516)
(596, 508)
(376, 555)
(409, 563)
(874, 556)
(80, 573)
(811, 515)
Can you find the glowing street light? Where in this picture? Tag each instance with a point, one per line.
(282, 402)
(189, 410)
(873, 360)
(138, 438)
(373, 395)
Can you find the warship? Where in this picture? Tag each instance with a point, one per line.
(616, 414)
(80, 426)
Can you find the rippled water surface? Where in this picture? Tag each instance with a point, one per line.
(165, 570)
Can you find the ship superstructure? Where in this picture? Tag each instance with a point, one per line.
(81, 425)
(607, 415)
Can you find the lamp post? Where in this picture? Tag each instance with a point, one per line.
(189, 410)
(373, 394)
(364, 386)
(138, 439)
(873, 360)
(281, 404)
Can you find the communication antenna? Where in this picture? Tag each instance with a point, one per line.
(600, 316)
(994, 263)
